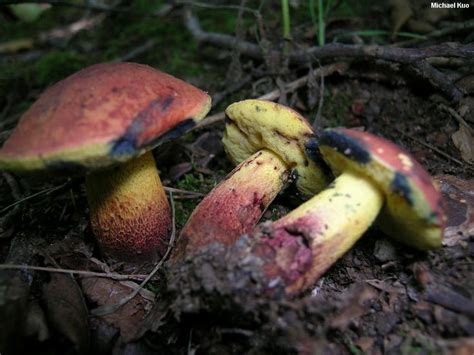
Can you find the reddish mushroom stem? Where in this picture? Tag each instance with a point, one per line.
(234, 206)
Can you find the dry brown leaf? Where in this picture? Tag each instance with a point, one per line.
(464, 141)
(109, 292)
(458, 204)
(67, 311)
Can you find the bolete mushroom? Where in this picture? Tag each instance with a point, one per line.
(374, 176)
(106, 118)
(268, 142)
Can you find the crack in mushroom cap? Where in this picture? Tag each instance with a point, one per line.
(413, 211)
(101, 115)
(258, 124)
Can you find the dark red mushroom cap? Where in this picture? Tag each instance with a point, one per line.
(412, 212)
(103, 114)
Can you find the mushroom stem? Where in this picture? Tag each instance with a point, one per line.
(234, 206)
(301, 246)
(130, 214)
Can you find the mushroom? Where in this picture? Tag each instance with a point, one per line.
(268, 141)
(106, 118)
(374, 176)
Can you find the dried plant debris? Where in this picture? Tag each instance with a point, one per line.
(67, 311)
(458, 199)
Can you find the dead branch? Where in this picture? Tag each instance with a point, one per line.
(85, 273)
(415, 57)
(275, 94)
(438, 79)
(334, 50)
(456, 27)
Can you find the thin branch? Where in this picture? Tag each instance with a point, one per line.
(456, 27)
(437, 79)
(42, 192)
(331, 51)
(163, 11)
(118, 277)
(412, 56)
(240, 8)
(456, 116)
(184, 192)
(432, 147)
(275, 94)
(88, 5)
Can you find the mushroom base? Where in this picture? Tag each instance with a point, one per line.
(130, 214)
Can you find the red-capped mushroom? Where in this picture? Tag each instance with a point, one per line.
(107, 118)
(374, 176)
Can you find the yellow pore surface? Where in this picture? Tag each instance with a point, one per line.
(260, 124)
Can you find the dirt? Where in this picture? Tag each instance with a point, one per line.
(380, 297)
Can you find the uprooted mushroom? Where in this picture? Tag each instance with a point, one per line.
(268, 142)
(106, 119)
(374, 178)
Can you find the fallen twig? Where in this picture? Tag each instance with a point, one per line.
(456, 116)
(456, 27)
(432, 147)
(189, 194)
(63, 32)
(333, 50)
(118, 277)
(164, 10)
(412, 56)
(438, 79)
(275, 94)
(42, 192)
(137, 51)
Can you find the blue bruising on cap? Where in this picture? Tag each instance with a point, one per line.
(173, 133)
(312, 151)
(401, 186)
(348, 146)
(128, 145)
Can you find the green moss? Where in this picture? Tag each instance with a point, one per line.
(191, 182)
(56, 65)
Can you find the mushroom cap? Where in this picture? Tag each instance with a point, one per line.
(101, 115)
(258, 124)
(412, 212)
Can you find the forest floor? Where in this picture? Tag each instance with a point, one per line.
(381, 297)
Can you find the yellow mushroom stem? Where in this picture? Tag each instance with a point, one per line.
(234, 206)
(308, 240)
(130, 214)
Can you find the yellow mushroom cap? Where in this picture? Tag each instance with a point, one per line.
(258, 124)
